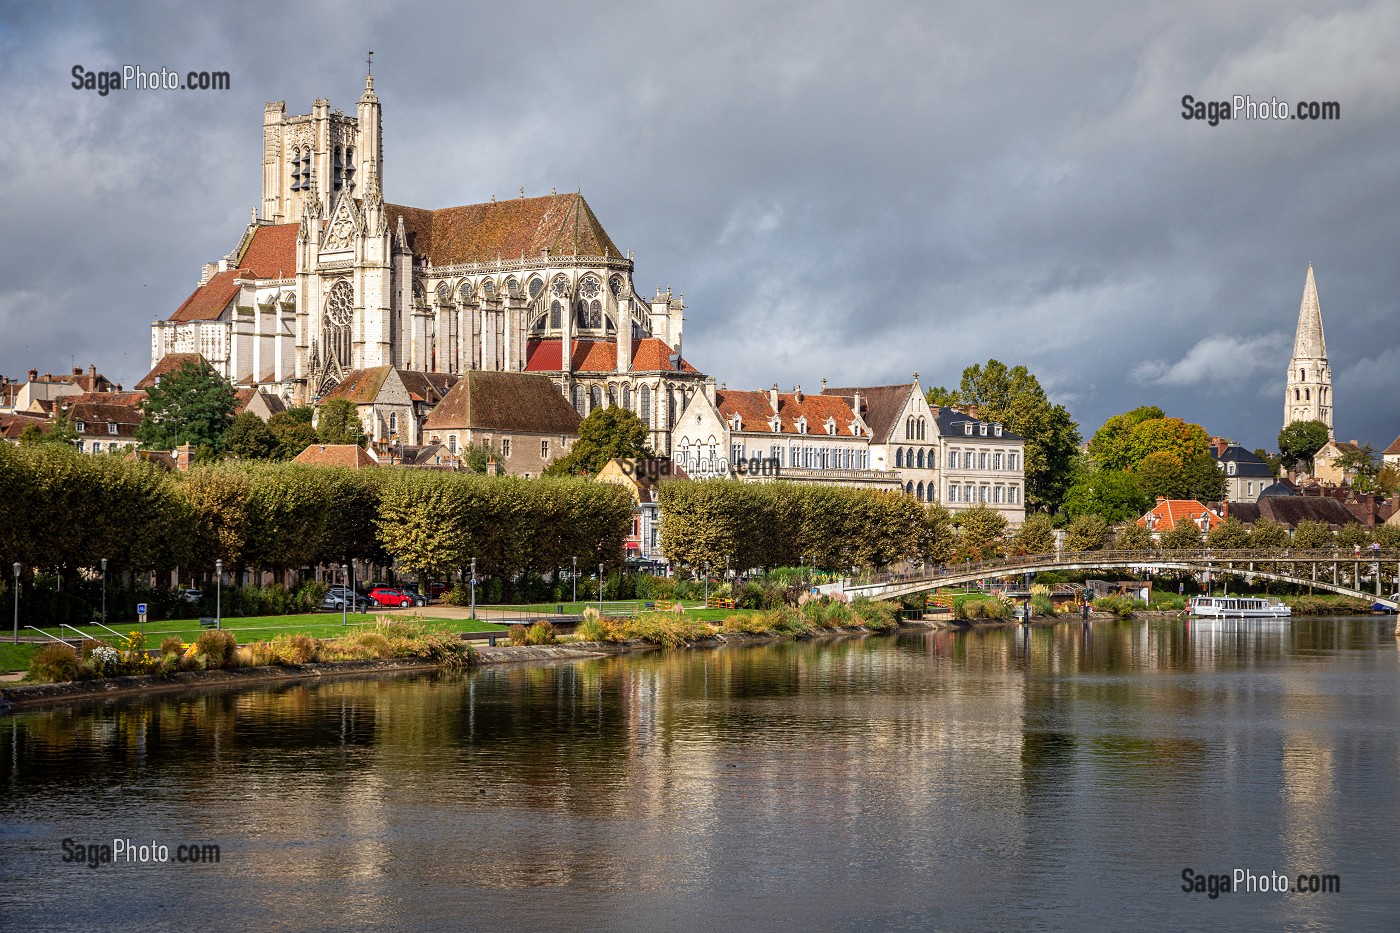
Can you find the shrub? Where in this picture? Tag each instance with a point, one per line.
(287, 649)
(541, 633)
(1042, 605)
(595, 628)
(876, 615)
(376, 644)
(667, 629)
(54, 664)
(519, 635)
(1121, 606)
(172, 645)
(217, 647)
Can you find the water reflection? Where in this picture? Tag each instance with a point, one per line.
(946, 778)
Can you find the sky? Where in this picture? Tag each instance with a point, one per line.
(852, 191)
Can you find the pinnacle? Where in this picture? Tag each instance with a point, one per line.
(1308, 342)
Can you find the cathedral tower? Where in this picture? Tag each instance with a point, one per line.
(1309, 393)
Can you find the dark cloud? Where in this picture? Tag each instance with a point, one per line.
(855, 191)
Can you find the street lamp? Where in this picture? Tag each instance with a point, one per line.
(17, 566)
(707, 584)
(473, 588)
(347, 595)
(574, 578)
(218, 594)
(104, 591)
(600, 588)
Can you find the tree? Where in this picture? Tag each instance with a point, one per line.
(1110, 443)
(1312, 534)
(293, 431)
(1086, 533)
(1036, 535)
(1015, 398)
(982, 530)
(1202, 478)
(1133, 537)
(1387, 535)
(939, 536)
(58, 432)
(1299, 441)
(249, 438)
(1229, 534)
(1113, 495)
(1354, 534)
(191, 405)
(1184, 535)
(1387, 480)
(1267, 533)
(338, 422)
(1166, 435)
(939, 397)
(607, 433)
(1275, 464)
(1361, 466)
(1160, 474)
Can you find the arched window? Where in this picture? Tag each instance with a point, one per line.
(444, 293)
(612, 396)
(579, 401)
(1297, 395)
(536, 286)
(920, 494)
(644, 401)
(393, 422)
(595, 398)
(336, 326)
(1307, 395)
(923, 430)
(627, 397)
(595, 314)
(581, 314)
(674, 407)
(556, 315)
(898, 458)
(615, 285)
(1302, 376)
(465, 289)
(338, 169)
(921, 458)
(909, 488)
(512, 287)
(349, 168)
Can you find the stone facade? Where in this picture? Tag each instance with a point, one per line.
(1308, 396)
(982, 463)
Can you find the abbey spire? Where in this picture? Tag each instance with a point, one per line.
(1308, 396)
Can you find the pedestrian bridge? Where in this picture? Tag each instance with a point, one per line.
(1371, 574)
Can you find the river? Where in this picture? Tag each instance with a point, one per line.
(1058, 779)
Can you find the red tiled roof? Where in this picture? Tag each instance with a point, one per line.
(1393, 449)
(12, 425)
(360, 387)
(755, 411)
(270, 254)
(165, 366)
(504, 402)
(562, 223)
(882, 407)
(1171, 511)
(335, 455)
(650, 354)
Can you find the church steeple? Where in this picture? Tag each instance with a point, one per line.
(1308, 396)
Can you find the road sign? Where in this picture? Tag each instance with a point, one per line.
(140, 609)
(142, 618)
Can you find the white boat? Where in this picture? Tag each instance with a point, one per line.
(1237, 607)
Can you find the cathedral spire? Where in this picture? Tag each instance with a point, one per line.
(1308, 342)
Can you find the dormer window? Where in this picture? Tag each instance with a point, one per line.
(967, 429)
(996, 429)
(1230, 468)
(111, 427)
(736, 423)
(983, 430)
(80, 427)
(775, 423)
(802, 425)
(831, 426)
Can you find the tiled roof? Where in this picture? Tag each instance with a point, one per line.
(96, 416)
(1171, 511)
(755, 410)
(12, 425)
(504, 402)
(650, 354)
(1246, 463)
(951, 423)
(474, 233)
(165, 366)
(1393, 449)
(335, 455)
(270, 254)
(429, 388)
(882, 407)
(1290, 510)
(244, 396)
(360, 386)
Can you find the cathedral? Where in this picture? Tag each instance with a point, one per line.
(1308, 396)
(328, 279)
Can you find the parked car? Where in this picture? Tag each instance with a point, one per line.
(436, 590)
(419, 599)
(190, 594)
(389, 596)
(341, 597)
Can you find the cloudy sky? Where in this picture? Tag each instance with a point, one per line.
(855, 191)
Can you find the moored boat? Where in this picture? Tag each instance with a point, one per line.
(1237, 607)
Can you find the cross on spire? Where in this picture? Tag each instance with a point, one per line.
(369, 61)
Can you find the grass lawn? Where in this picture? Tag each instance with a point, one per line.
(16, 657)
(262, 628)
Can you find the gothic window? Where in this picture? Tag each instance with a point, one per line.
(589, 287)
(465, 289)
(612, 396)
(512, 287)
(921, 458)
(556, 315)
(615, 285)
(675, 408)
(1307, 395)
(338, 173)
(444, 293)
(645, 402)
(581, 314)
(578, 401)
(627, 397)
(349, 168)
(560, 288)
(393, 423)
(899, 458)
(595, 315)
(536, 286)
(488, 287)
(335, 327)
(920, 487)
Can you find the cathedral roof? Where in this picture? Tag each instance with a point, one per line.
(881, 407)
(493, 401)
(1308, 343)
(650, 354)
(475, 233)
(270, 253)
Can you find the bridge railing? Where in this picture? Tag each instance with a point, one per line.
(1206, 558)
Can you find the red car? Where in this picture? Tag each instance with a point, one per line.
(388, 596)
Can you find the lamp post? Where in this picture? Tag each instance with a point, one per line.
(707, 584)
(104, 591)
(600, 588)
(17, 568)
(574, 579)
(218, 594)
(347, 595)
(473, 588)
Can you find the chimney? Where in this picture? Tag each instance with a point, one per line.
(34, 375)
(492, 467)
(972, 411)
(1161, 499)
(92, 370)
(773, 398)
(77, 370)
(797, 394)
(823, 384)
(855, 402)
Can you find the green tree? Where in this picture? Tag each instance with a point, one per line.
(1166, 435)
(1160, 474)
(1202, 478)
(1133, 537)
(1036, 535)
(1113, 495)
(1110, 444)
(191, 405)
(1388, 480)
(1015, 398)
(59, 432)
(1275, 464)
(939, 536)
(1267, 533)
(939, 397)
(1312, 534)
(606, 433)
(338, 422)
(1183, 535)
(1387, 535)
(982, 530)
(1086, 533)
(249, 438)
(293, 431)
(1299, 441)
(475, 457)
(1361, 466)
(1229, 534)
